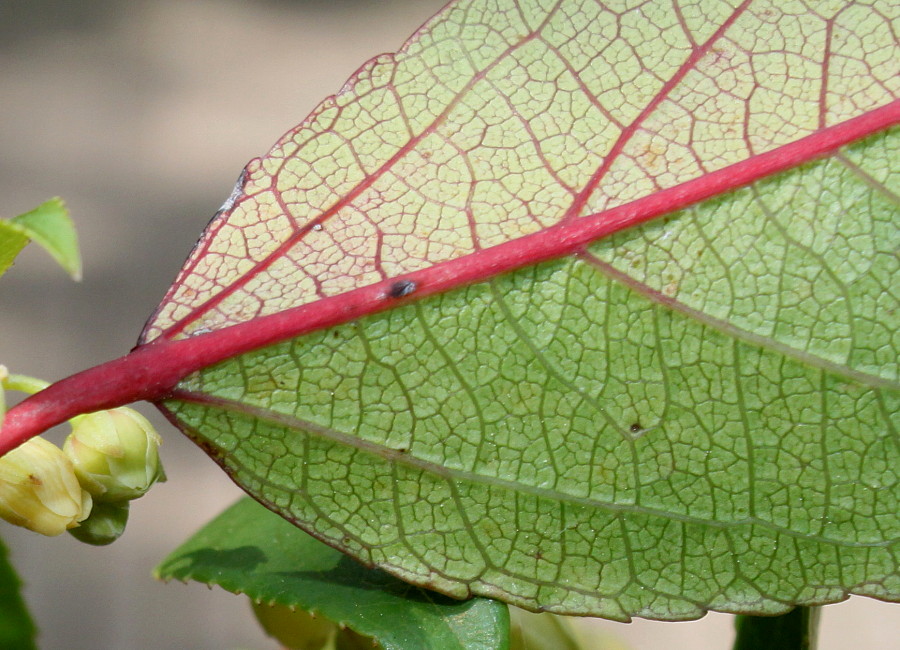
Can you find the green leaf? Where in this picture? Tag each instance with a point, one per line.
(529, 631)
(12, 241)
(697, 413)
(795, 630)
(249, 550)
(17, 631)
(50, 226)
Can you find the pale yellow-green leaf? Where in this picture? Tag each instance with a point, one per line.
(50, 226)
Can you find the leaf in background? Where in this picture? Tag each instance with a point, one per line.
(698, 413)
(50, 226)
(295, 629)
(17, 630)
(249, 550)
(795, 630)
(530, 631)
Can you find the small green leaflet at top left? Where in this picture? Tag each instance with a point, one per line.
(50, 226)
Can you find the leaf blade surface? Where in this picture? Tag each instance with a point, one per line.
(495, 122)
(558, 435)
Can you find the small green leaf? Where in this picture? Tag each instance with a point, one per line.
(795, 630)
(249, 550)
(17, 631)
(11, 244)
(50, 226)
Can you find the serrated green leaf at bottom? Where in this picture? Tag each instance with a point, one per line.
(250, 550)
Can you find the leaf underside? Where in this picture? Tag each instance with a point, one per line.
(700, 413)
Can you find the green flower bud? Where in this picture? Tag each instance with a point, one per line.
(105, 524)
(39, 489)
(115, 454)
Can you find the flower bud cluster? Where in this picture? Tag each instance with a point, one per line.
(110, 458)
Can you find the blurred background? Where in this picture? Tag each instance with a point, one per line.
(141, 115)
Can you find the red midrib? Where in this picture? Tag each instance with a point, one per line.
(152, 371)
(578, 203)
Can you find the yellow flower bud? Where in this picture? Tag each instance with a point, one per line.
(115, 454)
(39, 489)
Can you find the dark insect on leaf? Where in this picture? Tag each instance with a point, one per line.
(401, 288)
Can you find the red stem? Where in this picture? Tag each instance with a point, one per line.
(150, 372)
